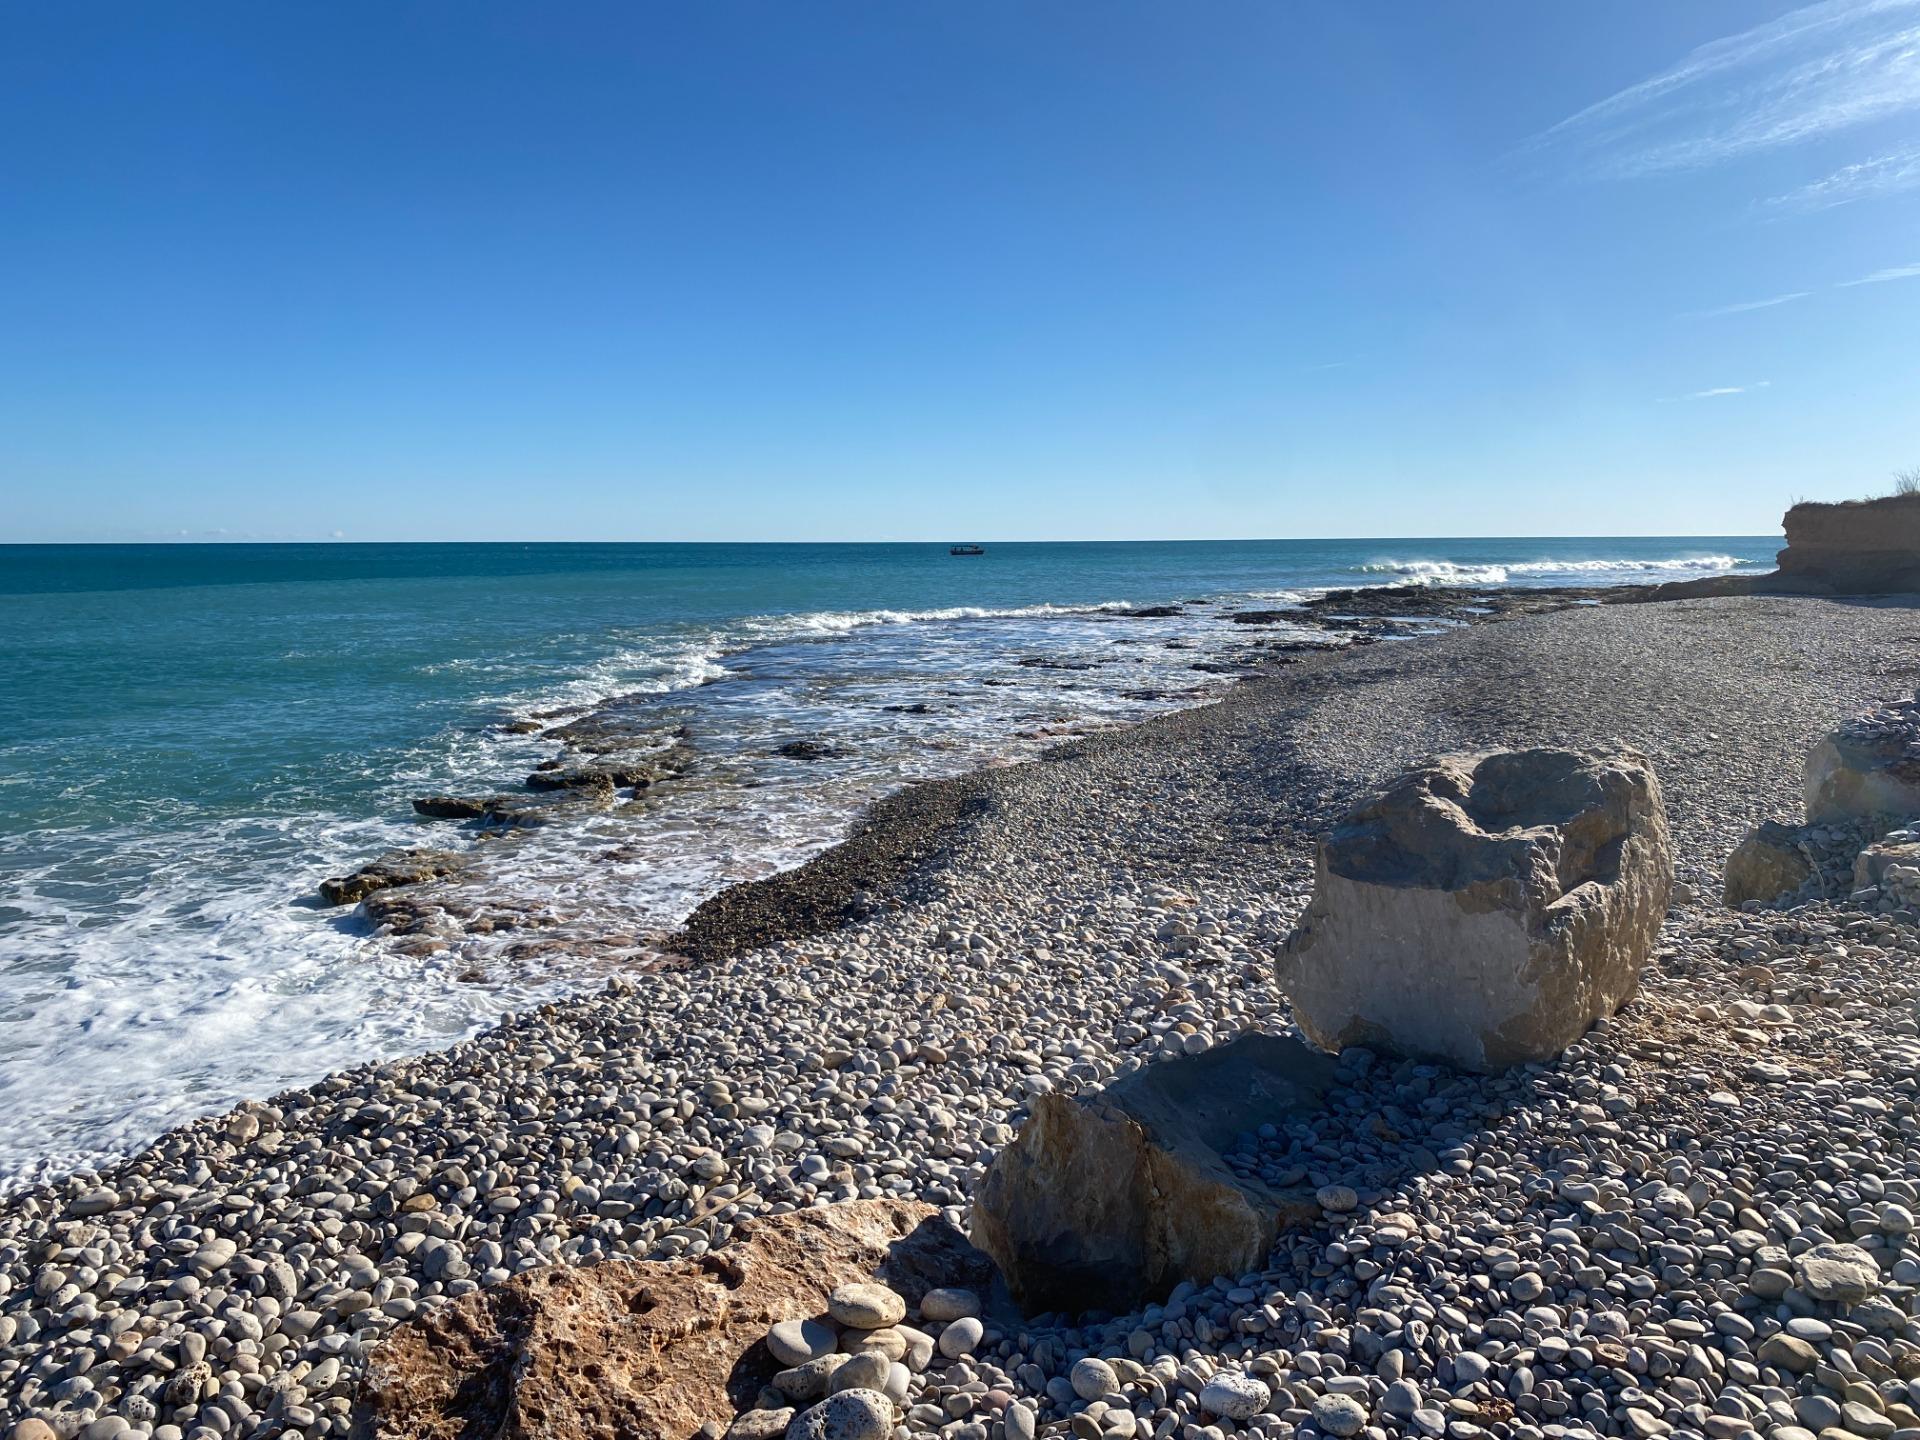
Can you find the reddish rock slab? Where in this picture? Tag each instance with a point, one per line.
(644, 1350)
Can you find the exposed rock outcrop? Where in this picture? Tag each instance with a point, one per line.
(400, 867)
(628, 1349)
(635, 768)
(1769, 863)
(1852, 547)
(1109, 1199)
(1484, 909)
(1868, 767)
(1855, 547)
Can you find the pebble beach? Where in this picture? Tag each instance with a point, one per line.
(1626, 1241)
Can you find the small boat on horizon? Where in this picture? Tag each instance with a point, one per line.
(968, 550)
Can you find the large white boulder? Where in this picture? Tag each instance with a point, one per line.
(1484, 909)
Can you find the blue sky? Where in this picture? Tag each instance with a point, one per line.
(825, 271)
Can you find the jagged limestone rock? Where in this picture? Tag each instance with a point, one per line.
(1484, 909)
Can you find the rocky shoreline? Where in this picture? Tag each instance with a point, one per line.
(1580, 1247)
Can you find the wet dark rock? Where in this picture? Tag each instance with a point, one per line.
(537, 808)
(919, 707)
(1148, 612)
(451, 807)
(1047, 662)
(401, 867)
(813, 750)
(1263, 617)
(628, 770)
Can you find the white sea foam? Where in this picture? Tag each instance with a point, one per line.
(1449, 572)
(187, 969)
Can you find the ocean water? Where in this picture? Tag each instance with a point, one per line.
(191, 737)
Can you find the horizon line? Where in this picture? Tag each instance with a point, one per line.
(1130, 540)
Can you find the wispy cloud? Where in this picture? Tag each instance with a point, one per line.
(1817, 70)
(1746, 305)
(1717, 392)
(1872, 179)
(1892, 272)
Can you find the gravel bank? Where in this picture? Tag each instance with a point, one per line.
(1586, 1247)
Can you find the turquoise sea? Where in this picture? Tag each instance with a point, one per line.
(192, 736)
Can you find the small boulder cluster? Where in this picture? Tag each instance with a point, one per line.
(1862, 792)
(850, 1372)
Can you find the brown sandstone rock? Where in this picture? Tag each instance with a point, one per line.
(625, 1350)
(1766, 865)
(1855, 547)
(1105, 1201)
(1484, 909)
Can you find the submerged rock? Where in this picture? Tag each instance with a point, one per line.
(812, 750)
(1106, 1200)
(634, 1348)
(1484, 909)
(401, 867)
(451, 807)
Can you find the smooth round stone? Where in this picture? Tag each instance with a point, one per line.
(1805, 1327)
(1093, 1377)
(850, 1415)
(1769, 1283)
(1234, 1396)
(960, 1337)
(888, 1342)
(1469, 1368)
(863, 1372)
(1340, 1415)
(949, 1303)
(1787, 1352)
(1019, 1421)
(795, 1342)
(1337, 1198)
(865, 1306)
(1402, 1399)
(1526, 1287)
(919, 1351)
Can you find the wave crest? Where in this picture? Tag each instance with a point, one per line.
(1450, 572)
